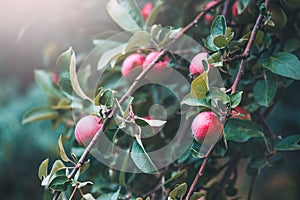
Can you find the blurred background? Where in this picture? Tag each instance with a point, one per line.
(32, 34)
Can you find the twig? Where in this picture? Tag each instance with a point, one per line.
(200, 172)
(251, 188)
(73, 193)
(225, 8)
(246, 52)
(127, 95)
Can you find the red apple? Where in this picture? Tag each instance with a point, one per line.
(235, 9)
(86, 128)
(206, 125)
(132, 66)
(146, 10)
(196, 66)
(209, 17)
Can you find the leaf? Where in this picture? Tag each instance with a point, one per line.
(83, 184)
(115, 51)
(138, 40)
(44, 80)
(61, 150)
(64, 62)
(155, 122)
(217, 94)
(110, 196)
(141, 158)
(141, 122)
(241, 130)
(180, 174)
(264, 91)
(218, 26)
(220, 41)
(284, 64)
(39, 113)
(236, 98)
(59, 183)
(179, 191)
(191, 101)
(289, 143)
(291, 45)
(197, 195)
(85, 166)
(107, 98)
(214, 58)
(210, 44)
(58, 165)
(73, 77)
(199, 86)
(87, 196)
(126, 14)
(43, 169)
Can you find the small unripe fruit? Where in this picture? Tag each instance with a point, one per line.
(206, 125)
(146, 10)
(209, 17)
(86, 128)
(278, 17)
(240, 113)
(132, 66)
(196, 66)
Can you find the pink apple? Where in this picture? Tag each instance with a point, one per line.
(235, 9)
(206, 124)
(196, 66)
(86, 128)
(146, 10)
(159, 65)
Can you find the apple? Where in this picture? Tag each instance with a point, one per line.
(146, 10)
(196, 66)
(159, 72)
(206, 125)
(132, 66)
(86, 128)
(240, 113)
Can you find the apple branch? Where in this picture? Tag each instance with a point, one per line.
(127, 95)
(246, 52)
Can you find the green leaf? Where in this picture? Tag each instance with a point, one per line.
(44, 80)
(141, 158)
(107, 98)
(264, 91)
(126, 14)
(284, 64)
(291, 45)
(85, 166)
(197, 195)
(59, 183)
(178, 175)
(219, 95)
(214, 58)
(220, 41)
(242, 130)
(110, 196)
(61, 150)
(191, 101)
(289, 143)
(138, 40)
(152, 17)
(87, 196)
(218, 26)
(155, 122)
(83, 184)
(199, 86)
(210, 44)
(115, 51)
(58, 165)
(236, 99)
(64, 61)
(43, 169)
(73, 75)
(179, 191)
(39, 113)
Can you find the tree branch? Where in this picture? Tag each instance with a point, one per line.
(251, 188)
(200, 172)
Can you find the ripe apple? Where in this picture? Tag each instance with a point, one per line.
(240, 113)
(132, 66)
(146, 10)
(86, 128)
(206, 125)
(196, 67)
(159, 71)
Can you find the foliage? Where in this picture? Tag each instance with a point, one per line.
(255, 66)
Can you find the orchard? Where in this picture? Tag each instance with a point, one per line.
(175, 105)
